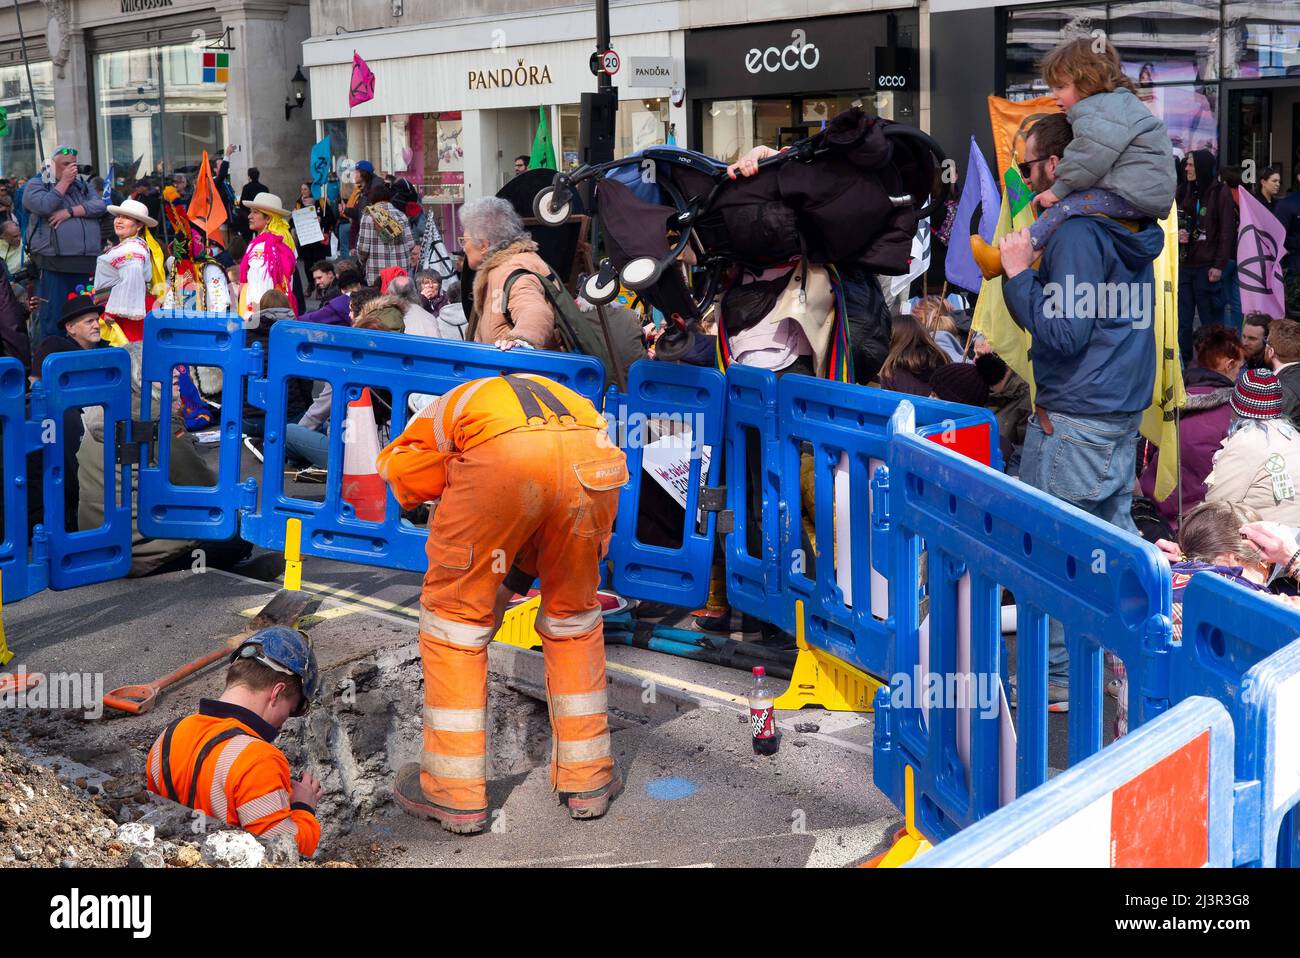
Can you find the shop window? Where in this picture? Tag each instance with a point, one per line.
(18, 155)
(1266, 39)
(1189, 111)
(1032, 34)
(1163, 41)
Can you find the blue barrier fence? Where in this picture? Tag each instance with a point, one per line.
(984, 531)
(1161, 797)
(22, 571)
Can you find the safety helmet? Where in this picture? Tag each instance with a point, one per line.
(284, 650)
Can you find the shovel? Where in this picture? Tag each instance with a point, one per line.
(285, 608)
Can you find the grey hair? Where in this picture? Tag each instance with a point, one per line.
(492, 220)
(403, 287)
(428, 276)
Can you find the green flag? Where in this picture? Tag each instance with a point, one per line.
(4, 122)
(543, 157)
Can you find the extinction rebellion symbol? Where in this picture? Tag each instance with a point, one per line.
(1259, 272)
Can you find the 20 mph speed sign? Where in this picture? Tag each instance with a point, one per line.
(609, 62)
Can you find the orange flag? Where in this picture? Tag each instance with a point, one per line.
(206, 211)
(1008, 120)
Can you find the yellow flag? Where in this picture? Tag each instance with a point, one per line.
(992, 318)
(1159, 424)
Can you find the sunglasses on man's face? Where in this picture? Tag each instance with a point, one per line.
(1027, 167)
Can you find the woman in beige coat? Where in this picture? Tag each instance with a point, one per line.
(495, 245)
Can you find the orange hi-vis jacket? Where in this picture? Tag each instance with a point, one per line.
(415, 463)
(242, 779)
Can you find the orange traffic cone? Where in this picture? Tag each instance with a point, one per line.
(362, 485)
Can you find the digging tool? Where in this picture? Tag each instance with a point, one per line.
(285, 608)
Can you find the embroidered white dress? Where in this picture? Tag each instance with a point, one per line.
(259, 279)
(124, 270)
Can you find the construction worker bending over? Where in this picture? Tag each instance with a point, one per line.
(221, 761)
(526, 477)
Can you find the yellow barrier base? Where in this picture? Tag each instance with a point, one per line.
(518, 625)
(5, 655)
(908, 842)
(819, 678)
(293, 555)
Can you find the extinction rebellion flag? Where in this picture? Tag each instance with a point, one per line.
(362, 87)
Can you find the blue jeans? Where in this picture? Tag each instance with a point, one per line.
(1197, 296)
(54, 288)
(1231, 297)
(1090, 462)
(309, 445)
(345, 233)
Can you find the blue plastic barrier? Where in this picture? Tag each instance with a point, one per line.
(20, 575)
(1160, 797)
(841, 432)
(350, 359)
(1240, 648)
(188, 338)
(982, 531)
(686, 396)
(95, 377)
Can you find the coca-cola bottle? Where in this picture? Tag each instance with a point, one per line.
(762, 717)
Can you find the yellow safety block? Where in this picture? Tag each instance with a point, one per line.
(518, 625)
(5, 655)
(819, 678)
(909, 842)
(293, 555)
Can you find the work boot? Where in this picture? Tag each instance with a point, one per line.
(410, 796)
(595, 803)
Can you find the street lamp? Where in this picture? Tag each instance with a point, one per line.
(299, 93)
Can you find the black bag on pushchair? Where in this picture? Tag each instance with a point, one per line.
(577, 334)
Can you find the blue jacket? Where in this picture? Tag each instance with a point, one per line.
(1089, 307)
(334, 312)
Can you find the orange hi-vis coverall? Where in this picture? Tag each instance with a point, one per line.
(526, 477)
(222, 763)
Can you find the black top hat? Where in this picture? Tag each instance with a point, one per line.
(76, 306)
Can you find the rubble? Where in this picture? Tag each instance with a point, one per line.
(233, 850)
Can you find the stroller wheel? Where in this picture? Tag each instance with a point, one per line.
(598, 291)
(673, 344)
(548, 210)
(641, 272)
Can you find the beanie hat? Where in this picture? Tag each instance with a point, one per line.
(960, 382)
(991, 368)
(1257, 395)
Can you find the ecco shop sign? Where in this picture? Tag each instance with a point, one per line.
(522, 74)
(798, 54)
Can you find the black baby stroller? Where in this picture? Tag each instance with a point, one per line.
(674, 225)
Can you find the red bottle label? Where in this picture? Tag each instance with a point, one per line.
(762, 722)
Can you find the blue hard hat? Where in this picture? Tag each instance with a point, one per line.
(365, 166)
(284, 650)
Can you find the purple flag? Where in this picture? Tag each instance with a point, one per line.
(1261, 244)
(979, 192)
(362, 87)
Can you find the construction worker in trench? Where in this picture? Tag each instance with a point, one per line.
(222, 762)
(527, 483)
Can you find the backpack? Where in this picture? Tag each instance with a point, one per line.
(577, 335)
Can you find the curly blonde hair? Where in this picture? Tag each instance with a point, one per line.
(1091, 71)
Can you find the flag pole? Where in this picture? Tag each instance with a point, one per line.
(31, 91)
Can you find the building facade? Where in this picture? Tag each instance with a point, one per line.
(1224, 75)
(148, 85)
(461, 88)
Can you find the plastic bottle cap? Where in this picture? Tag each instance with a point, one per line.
(760, 671)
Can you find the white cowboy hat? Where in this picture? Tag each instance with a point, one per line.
(267, 203)
(134, 210)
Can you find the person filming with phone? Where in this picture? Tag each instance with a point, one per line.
(63, 237)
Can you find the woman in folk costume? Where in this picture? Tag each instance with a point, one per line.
(129, 277)
(184, 251)
(271, 255)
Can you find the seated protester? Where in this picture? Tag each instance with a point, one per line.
(1282, 352)
(1203, 424)
(150, 556)
(1222, 538)
(335, 310)
(935, 314)
(307, 440)
(72, 428)
(417, 320)
(272, 308)
(323, 278)
(912, 358)
(960, 383)
(227, 746)
(1254, 339)
(1009, 402)
(429, 285)
(1259, 460)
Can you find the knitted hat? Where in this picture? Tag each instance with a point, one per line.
(960, 382)
(1257, 395)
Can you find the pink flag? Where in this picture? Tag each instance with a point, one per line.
(362, 87)
(1261, 244)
